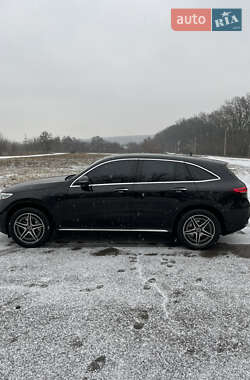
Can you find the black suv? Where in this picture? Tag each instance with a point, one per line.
(194, 199)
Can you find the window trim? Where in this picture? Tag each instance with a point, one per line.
(216, 177)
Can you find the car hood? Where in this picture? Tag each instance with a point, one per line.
(37, 184)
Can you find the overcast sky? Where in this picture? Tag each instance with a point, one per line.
(112, 67)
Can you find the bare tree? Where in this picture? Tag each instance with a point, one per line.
(45, 140)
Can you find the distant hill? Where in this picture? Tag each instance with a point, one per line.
(123, 140)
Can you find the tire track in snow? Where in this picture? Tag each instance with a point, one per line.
(154, 285)
(7, 251)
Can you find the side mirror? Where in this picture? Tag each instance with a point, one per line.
(84, 183)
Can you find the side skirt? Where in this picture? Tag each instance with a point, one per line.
(109, 229)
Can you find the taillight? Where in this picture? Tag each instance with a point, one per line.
(240, 189)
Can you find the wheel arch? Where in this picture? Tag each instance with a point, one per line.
(212, 209)
(28, 203)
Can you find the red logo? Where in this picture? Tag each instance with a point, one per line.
(192, 19)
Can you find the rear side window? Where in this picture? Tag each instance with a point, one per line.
(156, 171)
(163, 171)
(199, 174)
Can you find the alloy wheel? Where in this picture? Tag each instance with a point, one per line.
(29, 228)
(199, 230)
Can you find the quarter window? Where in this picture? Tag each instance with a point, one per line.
(199, 174)
(182, 172)
(113, 172)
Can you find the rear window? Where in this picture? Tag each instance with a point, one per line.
(199, 174)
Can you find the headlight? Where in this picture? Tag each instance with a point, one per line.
(5, 195)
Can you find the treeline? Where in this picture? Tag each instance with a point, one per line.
(225, 131)
(46, 143)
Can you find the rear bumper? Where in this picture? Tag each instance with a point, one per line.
(235, 220)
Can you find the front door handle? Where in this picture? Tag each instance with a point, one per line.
(120, 190)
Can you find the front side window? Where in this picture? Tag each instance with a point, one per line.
(113, 172)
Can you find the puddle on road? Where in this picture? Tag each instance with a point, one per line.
(242, 250)
(110, 251)
(221, 249)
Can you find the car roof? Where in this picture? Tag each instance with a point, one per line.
(174, 157)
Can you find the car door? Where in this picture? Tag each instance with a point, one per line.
(107, 202)
(164, 187)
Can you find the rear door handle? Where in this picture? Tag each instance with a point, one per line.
(120, 190)
(180, 189)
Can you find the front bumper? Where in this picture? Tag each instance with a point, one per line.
(3, 223)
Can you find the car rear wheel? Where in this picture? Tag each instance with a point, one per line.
(29, 227)
(198, 229)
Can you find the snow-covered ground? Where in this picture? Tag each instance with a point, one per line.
(124, 306)
(31, 155)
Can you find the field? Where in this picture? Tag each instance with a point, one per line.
(123, 306)
(14, 170)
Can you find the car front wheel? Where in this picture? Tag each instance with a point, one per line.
(29, 227)
(198, 229)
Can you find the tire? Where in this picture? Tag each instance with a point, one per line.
(198, 229)
(29, 227)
